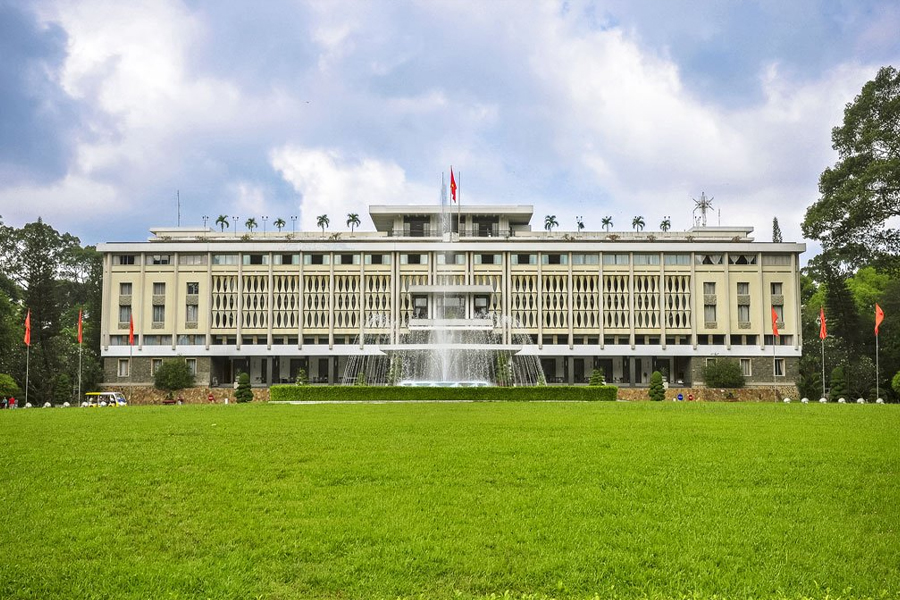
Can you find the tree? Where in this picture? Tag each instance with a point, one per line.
(860, 194)
(665, 225)
(302, 378)
(8, 386)
(895, 383)
(657, 391)
(173, 375)
(279, 224)
(322, 222)
(597, 378)
(352, 221)
(222, 222)
(638, 223)
(607, 222)
(550, 222)
(250, 224)
(244, 391)
(838, 384)
(723, 373)
(776, 231)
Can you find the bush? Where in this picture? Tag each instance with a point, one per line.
(286, 393)
(302, 378)
(173, 375)
(895, 383)
(838, 385)
(597, 378)
(657, 390)
(8, 386)
(723, 373)
(244, 392)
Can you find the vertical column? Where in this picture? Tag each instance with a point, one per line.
(362, 297)
(540, 299)
(105, 306)
(209, 296)
(506, 305)
(271, 301)
(695, 295)
(569, 310)
(631, 304)
(240, 301)
(727, 311)
(178, 304)
(798, 339)
(300, 304)
(662, 301)
(395, 297)
(330, 303)
(763, 305)
(602, 296)
(142, 301)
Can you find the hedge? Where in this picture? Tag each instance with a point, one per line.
(327, 393)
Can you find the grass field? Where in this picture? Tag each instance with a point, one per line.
(526, 500)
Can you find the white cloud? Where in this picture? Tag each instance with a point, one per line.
(333, 185)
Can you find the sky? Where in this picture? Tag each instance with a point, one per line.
(110, 109)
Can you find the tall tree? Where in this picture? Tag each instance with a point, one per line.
(607, 222)
(638, 223)
(352, 221)
(861, 192)
(666, 224)
(279, 223)
(222, 222)
(776, 231)
(322, 222)
(550, 222)
(250, 224)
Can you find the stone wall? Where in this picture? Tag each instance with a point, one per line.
(141, 395)
(702, 394)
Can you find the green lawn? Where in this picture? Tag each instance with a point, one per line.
(533, 500)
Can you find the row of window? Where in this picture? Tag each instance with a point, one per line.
(124, 366)
(455, 258)
(747, 366)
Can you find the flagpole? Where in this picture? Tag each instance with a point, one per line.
(823, 367)
(27, 359)
(459, 201)
(877, 384)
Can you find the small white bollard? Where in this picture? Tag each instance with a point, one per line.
(787, 400)
(804, 400)
(879, 401)
(860, 401)
(28, 405)
(85, 404)
(47, 405)
(823, 401)
(841, 401)
(66, 405)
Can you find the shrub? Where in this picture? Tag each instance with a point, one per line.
(895, 383)
(244, 392)
(285, 393)
(8, 386)
(838, 385)
(597, 378)
(361, 379)
(173, 375)
(723, 373)
(302, 378)
(657, 391)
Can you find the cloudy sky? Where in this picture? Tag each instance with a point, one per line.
(309, 107)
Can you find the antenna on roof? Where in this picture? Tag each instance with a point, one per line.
(178, 203)
(703, 204)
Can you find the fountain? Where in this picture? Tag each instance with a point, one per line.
(450, 339)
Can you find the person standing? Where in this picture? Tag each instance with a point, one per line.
(12, 402)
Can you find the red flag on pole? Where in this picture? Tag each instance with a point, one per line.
(28, 328)
(79, 327)
(823, 330)
(879, 317)
(452, 185)
(131, 330)
(774, 322)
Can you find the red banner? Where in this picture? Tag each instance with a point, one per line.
(774, 322)
(131, 331)
(452, 185)
(28, 329)
(79, 327)
(879, 317)
(823, 330)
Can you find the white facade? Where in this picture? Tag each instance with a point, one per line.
(627, 303)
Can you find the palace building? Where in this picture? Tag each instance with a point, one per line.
(628, 303)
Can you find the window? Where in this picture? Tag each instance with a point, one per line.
(743, 313)
(159, 289)
(159, 259)
(743, 288)
(191, 259)
(615, 259)
(746, 370)
(450, 258)
(159, 313)
(125, 289)
(225, 259)
(155, 364)
(779, 312)
(524, 259)
(124, 367)
(124, 314)
(487, 259)
(779, 367)
(646, 259)
(256, 259)
(191, 340)
(779, 260)
(316, 259)
(193, 288)
(378, 259)
(777, 288)
(157, 340)
(192, 366)
(554, 259)
(346, 259)
(192, 313)
(709, 287)
(709, 259)
(742, 259)
(709, 313)
(420, 307)
(286, 259)
(677, 259)
(123, 259)
(413, 259)
(585, 259)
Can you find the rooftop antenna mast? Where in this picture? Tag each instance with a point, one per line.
(703, 204)
(178, 203)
